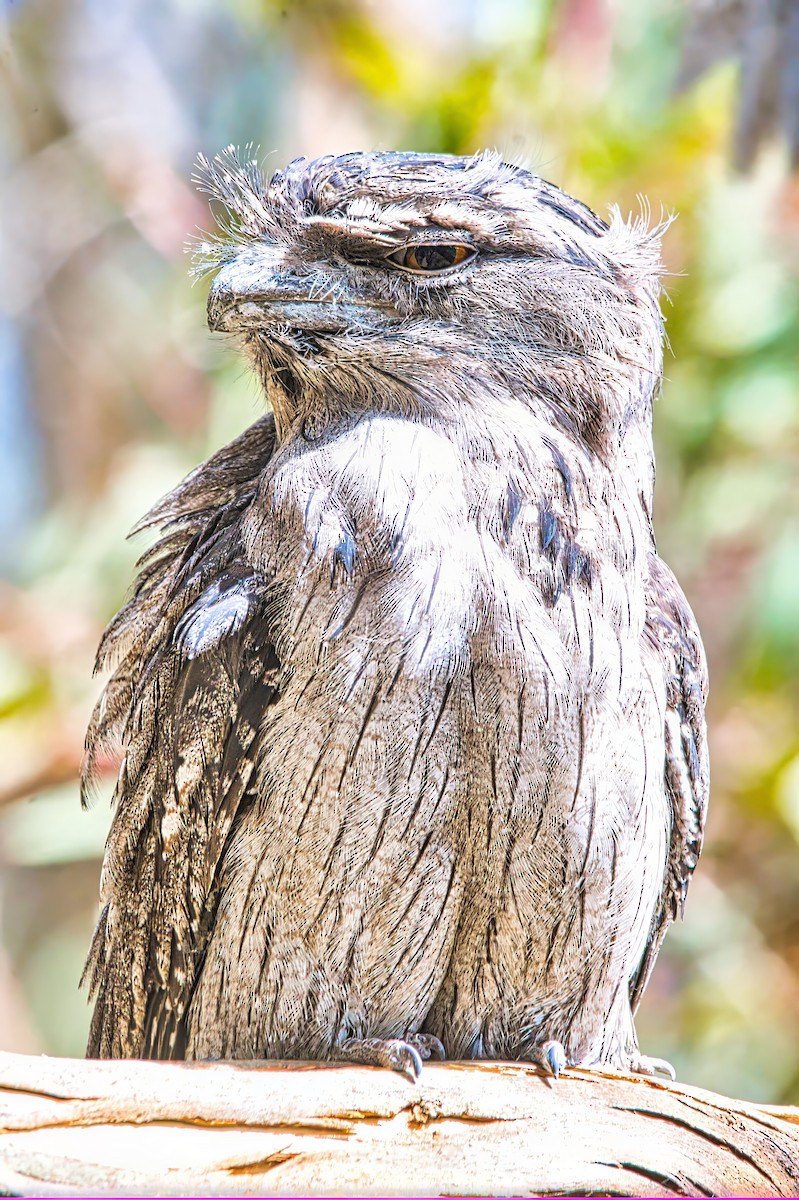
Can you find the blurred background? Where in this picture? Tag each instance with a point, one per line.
(111, 388)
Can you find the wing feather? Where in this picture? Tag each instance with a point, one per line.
(196, 672)
(672, 634)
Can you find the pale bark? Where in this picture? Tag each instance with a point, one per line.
(72, 1127)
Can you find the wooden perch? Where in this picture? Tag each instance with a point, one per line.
(70, 1127)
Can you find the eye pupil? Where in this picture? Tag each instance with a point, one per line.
(431, 257)
(434, 258)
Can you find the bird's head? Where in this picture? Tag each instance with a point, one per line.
(418, 283)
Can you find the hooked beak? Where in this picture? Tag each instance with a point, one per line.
(256, 290)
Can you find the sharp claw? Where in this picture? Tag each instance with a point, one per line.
(554, 1057)
(394, 1053)
(407, 1060)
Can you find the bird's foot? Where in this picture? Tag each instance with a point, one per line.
(550, 1056)
(428, 1046)
(642, 1064)
(398, 1054)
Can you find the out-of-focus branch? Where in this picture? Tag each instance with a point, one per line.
(763, 36)
(51, 774)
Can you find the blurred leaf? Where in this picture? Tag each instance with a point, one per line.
(52, 828)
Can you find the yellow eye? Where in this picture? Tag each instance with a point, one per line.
(432, 257)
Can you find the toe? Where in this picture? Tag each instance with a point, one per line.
(642, 1064)
(394, 1053)
(428, 1045)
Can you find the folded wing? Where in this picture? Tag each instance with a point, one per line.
(195, 673)
(672, 634)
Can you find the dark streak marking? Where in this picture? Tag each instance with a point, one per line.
(337, 840)
(553, 933)
(507, 879)
(433, 586)
(351, 949)
(311, 779)
(417, 892)
(520, 718)
(448, 890)
(397, 674)
(359, 595)
(320, 911)
(491, 933)
(417, 747)
(247, 925)
(370, 708)
(359, 674)
(300, 617)
(582, 217)
(427, 641)
(440, 713)
(587, 988)
(514, 506)
(343, 556)
(422, 847)
(546, 695)
(613, 867)
(591, 821)
(422, 948)
(441, 791)
(563, 468)
(580, 760)
(418, 803)
(380, 833)
(548, 530)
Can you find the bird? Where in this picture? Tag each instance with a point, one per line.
(411, 713)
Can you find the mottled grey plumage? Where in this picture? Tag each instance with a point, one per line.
(412, 712)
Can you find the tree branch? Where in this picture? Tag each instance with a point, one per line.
(69, 1127)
